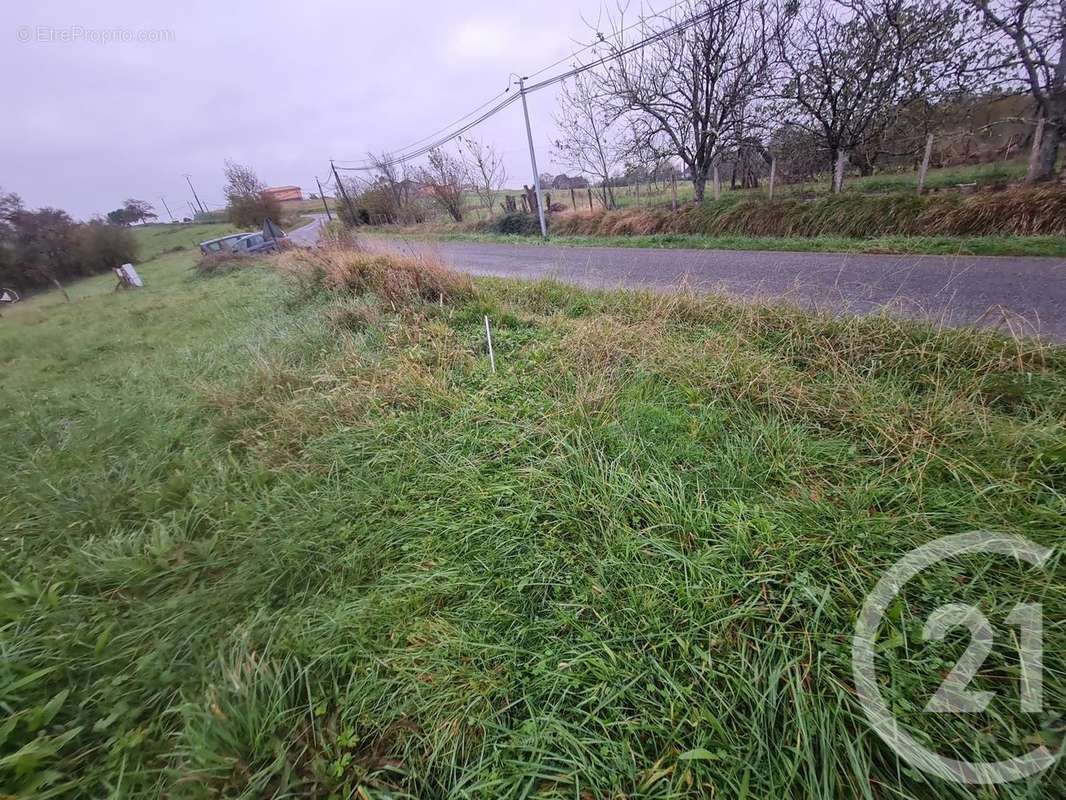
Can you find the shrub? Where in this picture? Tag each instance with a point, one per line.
(378, 205)
(400, 280)
(99, 247)
(249, 211)
(246, 203)
(221, 263)
(47, 248)
(516, 223)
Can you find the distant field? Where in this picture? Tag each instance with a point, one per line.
(306, 206)
(947, 178)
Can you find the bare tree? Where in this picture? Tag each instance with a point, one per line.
(485, 170)
(390, 179)
(245, 201)
(852, 65)
(689, 86)
(445, 177)
(1035, 33)
(588, 143)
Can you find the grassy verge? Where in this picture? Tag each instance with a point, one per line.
(295, 538)
(155, 240)
(1049, 246)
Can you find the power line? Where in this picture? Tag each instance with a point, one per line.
(403, 156)
(440, 130)
(582, 49)
(439, 142)
(680, 27)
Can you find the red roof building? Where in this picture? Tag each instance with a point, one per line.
(281, 193)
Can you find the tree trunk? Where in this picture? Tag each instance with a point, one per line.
(838, 170)
(1042, 165)
(698, 185)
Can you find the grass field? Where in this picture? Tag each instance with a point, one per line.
(268, 539)
(306, 206)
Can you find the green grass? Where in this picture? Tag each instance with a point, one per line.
(944, 178)
(1050, 246)
(156, 239)
(264, 540)
(307, 206)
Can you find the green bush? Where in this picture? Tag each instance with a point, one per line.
(45, 247)
(516, 223)
(99, 247)
(249, 211)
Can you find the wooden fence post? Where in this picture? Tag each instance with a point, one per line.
(717, 183)
(773, 174)
(590, 199)
(925, 163)
(573, 199)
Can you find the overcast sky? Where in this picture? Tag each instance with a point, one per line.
(282, 87)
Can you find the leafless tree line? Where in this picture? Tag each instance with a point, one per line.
(750, 79)
(393, 191)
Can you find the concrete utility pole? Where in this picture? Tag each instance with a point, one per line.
(344, 192)
(323, 196)
(533, 160)
(188, 179)
(163, 200)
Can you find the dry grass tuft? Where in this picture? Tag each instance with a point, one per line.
(222, 264)
(399, 280)
(1039, 211)
(353, 318)
(1016, 212)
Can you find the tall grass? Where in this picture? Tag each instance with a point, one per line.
(291, 536)
(1015, 212)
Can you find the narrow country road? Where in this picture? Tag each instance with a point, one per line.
(1024, 295)
(307, 236)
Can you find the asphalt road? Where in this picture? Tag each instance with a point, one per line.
(307, 236)
(1025, 295)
